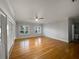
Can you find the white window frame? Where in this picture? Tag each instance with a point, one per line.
(38, 30)
(24, 29)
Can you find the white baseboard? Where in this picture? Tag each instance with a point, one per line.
(10, 51)
(58, 39)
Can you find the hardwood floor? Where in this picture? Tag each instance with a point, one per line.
(44, 48)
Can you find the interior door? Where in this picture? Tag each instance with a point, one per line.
(3, 36)
(0, 41)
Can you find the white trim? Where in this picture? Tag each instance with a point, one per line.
(10, 18)
(4, 30)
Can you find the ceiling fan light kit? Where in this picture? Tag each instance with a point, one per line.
(36, 19)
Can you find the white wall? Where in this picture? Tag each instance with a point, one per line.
(31, 34)
(57, 30)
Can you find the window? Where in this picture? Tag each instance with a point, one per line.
(38, 29)
(24, 29)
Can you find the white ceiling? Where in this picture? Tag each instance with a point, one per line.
(51, 10)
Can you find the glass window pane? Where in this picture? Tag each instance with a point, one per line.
(38, 29)
(24, 29)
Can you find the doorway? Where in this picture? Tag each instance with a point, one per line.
(73, 29)
(3, 35)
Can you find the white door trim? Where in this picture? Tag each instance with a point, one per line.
(4, 32)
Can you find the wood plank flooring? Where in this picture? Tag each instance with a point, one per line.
(44, 48)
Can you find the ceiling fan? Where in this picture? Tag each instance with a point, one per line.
(37, 18)
(74, 0)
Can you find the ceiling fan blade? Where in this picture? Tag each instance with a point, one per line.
(41, 18)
